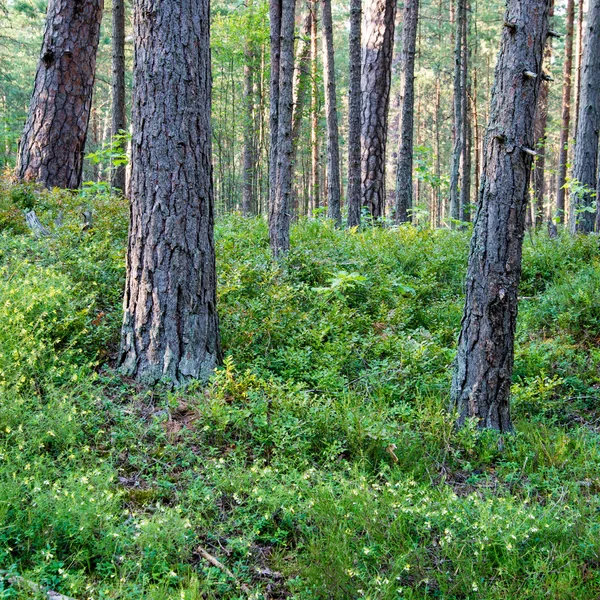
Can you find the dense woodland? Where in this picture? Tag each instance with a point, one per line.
(299, 299)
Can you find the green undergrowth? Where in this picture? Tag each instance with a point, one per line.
(320, 462)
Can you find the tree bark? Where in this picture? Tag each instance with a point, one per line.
(119, 120)
(279, 211)
(380, 18)
(484, 363)
(53, 141)
(565, 113)
(354, 114)
(301, 70)
(579, 63)
(249, 145)
(170, 325)
(404, 181)
(334, 208)
(275, 35)
(314, 124)
(585, 165)
(464, 213)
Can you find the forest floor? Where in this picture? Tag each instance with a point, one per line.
(321, 461)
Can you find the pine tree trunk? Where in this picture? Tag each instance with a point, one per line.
(578, 70)
(585, 165)
(280, 208)
(314, 124)
(301, 70)
(380, 18)
(334, 209)
(248, 158)
(465, 159)
(565, 113)
(484, 363)
(458, 127)
(119, 121)
(53, 142)
(170, 326)
(405, 147)
(275, 34)
(354, 114)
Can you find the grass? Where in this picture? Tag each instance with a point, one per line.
(321, 461)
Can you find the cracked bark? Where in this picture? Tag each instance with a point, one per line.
(170, 324)
(354, 112)
(53, 142)
(378, 44)
(585, 165)
(404, 182)
(484, 362)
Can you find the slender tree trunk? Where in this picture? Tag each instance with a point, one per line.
(314, 109)
(301, 70)
(585, 166)
(170, 326)
(541, 120)
(404, 181)
(280, 208)
(275, 7)
(53, 141)
(354, 114)
(119, 121)
(464, 213)
(578, 70)
(458, 148)
(249, 160)
(484, 363)
(378, 46)
(437, 219)
(334, 209)
(565, 113)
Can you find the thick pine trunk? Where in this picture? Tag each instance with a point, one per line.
(53, 142)
(119, 121)
(585, 165)
(458, 126)
(484, 363)
(565, 113)
(404, 181)
(280, 208)
(334, 209)
(170, 325)
(354, 113)
(380, 17)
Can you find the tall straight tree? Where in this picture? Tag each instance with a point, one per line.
(280, 208)
(334, 211)
(484, 363)
(459, 104)
(465, 159)
(170, 324)
(315, 188)
(565, 113)
(119, 120)
(585, 165)
(275, 38)
(541, 120)
(354, 113)
(407, 96)
(53, 141)
(378, 46)
(248, 159)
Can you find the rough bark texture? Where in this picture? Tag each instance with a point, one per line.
(334, 208)
(585, 165)
(248, 151)
(563, 156)
(119, 121)
(275, 34)
(280, 208)
(354, 113)
(458, 126)
(380, 17)
(404, 181)
(482, 376)
(170, 325)
(465, 159)
(53, 141)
